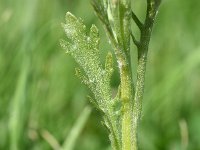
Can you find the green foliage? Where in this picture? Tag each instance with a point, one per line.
(30, 30)
(85, 50)
(71, 139)
(17, 116)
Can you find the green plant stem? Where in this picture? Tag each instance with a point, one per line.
(142, 59)
(141, 69)
(126, 107)
(116, 18)
(142, 46)
(124, 64)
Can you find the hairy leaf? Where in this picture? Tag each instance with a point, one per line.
(84, 48)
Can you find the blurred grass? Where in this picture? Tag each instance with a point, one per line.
(38, 89)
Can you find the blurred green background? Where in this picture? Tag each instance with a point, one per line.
(42, 102)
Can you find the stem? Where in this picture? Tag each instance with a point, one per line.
(124, 62)
(141, 69)
(137, 21)
(152, 6)
(126, 107)
(115, 16)
(142, 59)
(134, 40)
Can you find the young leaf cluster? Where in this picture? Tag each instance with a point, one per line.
(121, 113)
(84, 48)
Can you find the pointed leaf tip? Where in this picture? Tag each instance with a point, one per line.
(74, 27)
(69, 16)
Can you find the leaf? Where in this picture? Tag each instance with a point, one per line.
(76, 130)
(84, 48)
